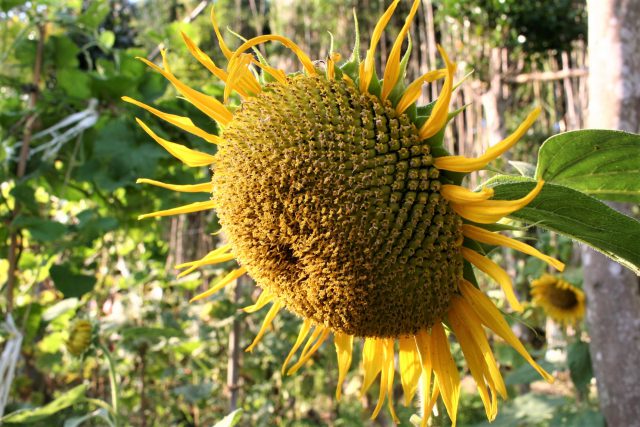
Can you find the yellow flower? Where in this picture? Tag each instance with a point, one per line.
(562, 301)
(338, 200)
(80, 337)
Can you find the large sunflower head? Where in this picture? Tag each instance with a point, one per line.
(562, 301)
(339, 200)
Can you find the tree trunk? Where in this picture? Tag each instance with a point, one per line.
(613, 292)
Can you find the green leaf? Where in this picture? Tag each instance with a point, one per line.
(95, 14)
(602, 163)
(69, 283)
(37, 414)
(524, 168)
(75, 83)
(66, 52)
(193, 393)
(525, 374)
(81, 420)
(40, 229)
(60, 308)
(578, 416)
(6, 5)
(230, 420)
(576, 215)
(26, 196)
(579, 361)
(151, 333)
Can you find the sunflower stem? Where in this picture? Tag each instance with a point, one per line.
(113, 382)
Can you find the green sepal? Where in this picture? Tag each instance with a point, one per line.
(481, 248)
(375, 85)
(352, 67)
(336, 68)
(468, 273)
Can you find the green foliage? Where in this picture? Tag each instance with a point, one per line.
(535, 25)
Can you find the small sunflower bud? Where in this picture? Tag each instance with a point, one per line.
(80, 337)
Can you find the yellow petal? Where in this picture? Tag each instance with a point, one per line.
(264, 299)
(492, 319)
(390, 374)
(446, 371)
(306, 352)
(193, 207)
(203, 58)
(221, 284)
(304, 59)
(473, 324)
(344, 348)
(392, 69)
(466, 164)
(473, 355)
(414, 90)
(218, 251)
(238, 70)
(426, 352)
(205, 187)
(207, 104)
(183, 123)
(186, 155)
(485, 236)
(410, 368)
(457, 194)
(440, 112)
(368, 66)
(331, 66)
(245, 86)
(386, 377)
(273, 311)
(304, 331)
(371, 362)
(223, 46)
(490, 211)
(496, 272)
(279, 75)
(207, 260)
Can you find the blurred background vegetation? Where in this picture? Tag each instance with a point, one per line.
(73, 249)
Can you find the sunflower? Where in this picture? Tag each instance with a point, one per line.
(562, 301)
(339, 200)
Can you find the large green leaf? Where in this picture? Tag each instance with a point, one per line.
(70, 283)
(230, 420)
(579, 361)
(576, 215)
(37, 414)
(602, 163)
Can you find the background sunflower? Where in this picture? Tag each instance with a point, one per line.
(560, 300)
